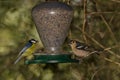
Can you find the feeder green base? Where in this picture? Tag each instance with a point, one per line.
(51, 58)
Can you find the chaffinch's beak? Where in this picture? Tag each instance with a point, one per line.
(69, 42)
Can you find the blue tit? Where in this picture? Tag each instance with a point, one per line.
(28, 50)
(82, 50)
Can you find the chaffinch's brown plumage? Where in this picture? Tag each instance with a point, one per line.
(81, 50)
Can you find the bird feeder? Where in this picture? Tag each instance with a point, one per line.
(52, 21)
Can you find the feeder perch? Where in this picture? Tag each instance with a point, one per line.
(52, 21)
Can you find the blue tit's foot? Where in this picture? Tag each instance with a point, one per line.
(30, 57)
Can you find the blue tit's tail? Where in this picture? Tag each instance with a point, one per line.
(18, 59)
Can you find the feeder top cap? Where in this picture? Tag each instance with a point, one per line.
(52, 5)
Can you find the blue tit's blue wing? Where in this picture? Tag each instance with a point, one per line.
(25, 48)
(18, 59)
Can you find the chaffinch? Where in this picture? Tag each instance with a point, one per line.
(82, 50)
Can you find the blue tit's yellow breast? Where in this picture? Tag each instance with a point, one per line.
(30, 50)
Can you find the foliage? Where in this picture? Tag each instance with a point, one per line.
(95, 22)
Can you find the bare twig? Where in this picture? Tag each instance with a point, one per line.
(106, 23)
(113, 16)
(115, 46)
(95, 73)
(107, 12)
(95, 41)
(104, 67)
(110, 51)
(116, 1)
(85, 21)
(117, 63)
(109, 28)
(111, 19)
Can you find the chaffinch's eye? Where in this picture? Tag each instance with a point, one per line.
(72, 41)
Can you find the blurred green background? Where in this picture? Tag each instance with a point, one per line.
(95, 22)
